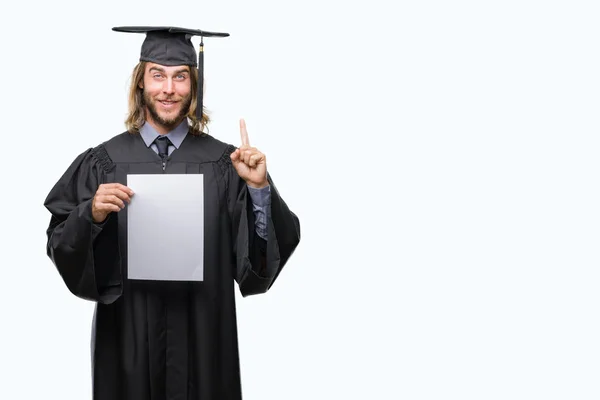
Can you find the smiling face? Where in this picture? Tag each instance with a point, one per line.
(167, 95)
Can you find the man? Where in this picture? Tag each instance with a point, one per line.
(168, 340)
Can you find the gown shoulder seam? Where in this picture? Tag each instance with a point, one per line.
(101, 156)
(224, 161)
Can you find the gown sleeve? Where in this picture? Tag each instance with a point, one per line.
(259, 262)
(85, 254)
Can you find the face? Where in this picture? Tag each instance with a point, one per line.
(167, 95)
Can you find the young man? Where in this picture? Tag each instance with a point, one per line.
(168, 340)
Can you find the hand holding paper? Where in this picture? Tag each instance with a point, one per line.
(110, 197)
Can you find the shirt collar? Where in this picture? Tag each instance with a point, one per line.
(176, 136)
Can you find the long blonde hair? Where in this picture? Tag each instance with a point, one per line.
(136, 116)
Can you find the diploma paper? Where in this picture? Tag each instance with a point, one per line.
(165, 227)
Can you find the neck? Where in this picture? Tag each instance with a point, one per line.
(161, 129)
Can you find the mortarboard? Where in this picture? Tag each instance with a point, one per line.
(167, 45)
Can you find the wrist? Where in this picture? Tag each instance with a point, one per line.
(99, 217)
(258, 186)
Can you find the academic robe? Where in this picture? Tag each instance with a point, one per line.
(157, 340)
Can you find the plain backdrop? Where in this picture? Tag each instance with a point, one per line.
(442, 158)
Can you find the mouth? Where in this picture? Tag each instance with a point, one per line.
(168, 103)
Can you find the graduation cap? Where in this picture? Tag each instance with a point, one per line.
(167, 45)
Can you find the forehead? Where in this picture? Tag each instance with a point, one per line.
(166, 68)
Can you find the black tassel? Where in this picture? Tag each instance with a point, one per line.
(199, 107)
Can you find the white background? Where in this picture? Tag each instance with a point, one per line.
(442, 158)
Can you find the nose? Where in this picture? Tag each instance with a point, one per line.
(169, 86)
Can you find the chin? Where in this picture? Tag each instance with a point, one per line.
(170, 118)
(173, 121)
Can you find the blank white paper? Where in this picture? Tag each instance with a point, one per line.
(165, 227)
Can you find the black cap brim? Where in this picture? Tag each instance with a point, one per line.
(170, 29)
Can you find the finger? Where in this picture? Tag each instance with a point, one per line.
(246, 155)
(119, 193)
(108, 207)
(255, 159)
(235, 155)
(244, 133)
(112, 199)
(121, 187)
(242, 149)
(117, 186)
(252, 160)
(247, 152)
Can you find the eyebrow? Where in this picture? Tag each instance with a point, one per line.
(159, 69)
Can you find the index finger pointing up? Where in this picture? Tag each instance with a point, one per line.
(244, 132)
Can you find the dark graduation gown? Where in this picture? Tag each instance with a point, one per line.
(165, 340)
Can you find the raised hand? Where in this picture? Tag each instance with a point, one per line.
(249, 162)
(110, 197)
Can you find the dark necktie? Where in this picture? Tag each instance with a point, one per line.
(163, 142)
